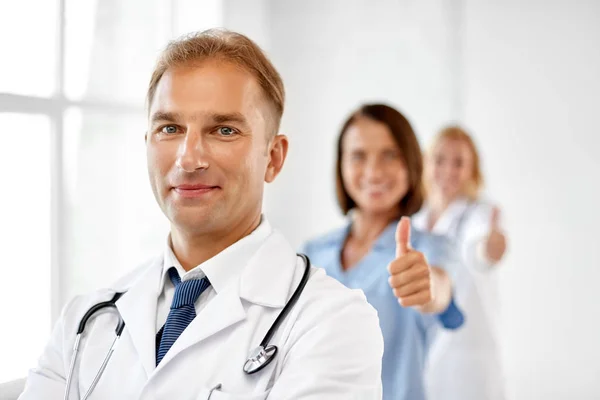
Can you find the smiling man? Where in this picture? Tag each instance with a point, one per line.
(194, 316)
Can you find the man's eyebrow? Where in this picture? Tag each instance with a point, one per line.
(221, 118)
(165, 116)
(234, 117)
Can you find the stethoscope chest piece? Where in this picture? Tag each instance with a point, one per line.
(259, 358)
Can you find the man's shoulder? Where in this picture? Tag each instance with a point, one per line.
(331, 338)
(326, 300)
(338, 330)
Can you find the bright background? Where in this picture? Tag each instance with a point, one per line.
(523, 76)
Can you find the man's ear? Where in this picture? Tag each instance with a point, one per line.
(277, 152)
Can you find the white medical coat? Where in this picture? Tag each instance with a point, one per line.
(466, 364)
(330, 345)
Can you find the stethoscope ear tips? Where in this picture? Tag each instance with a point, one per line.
(259, 358)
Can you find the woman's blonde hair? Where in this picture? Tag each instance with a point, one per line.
(455, 132)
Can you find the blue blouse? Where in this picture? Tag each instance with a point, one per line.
(406, 332)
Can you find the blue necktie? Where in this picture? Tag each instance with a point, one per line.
(182, 311)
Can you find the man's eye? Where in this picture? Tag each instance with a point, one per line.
(226, 131)
(169, 129)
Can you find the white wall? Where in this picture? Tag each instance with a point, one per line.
(532, 89)
(250, 18)
(523, 76)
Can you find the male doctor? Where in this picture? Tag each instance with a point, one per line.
(193, 314)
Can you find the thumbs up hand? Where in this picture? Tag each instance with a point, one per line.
(410, 274)
(495, 245)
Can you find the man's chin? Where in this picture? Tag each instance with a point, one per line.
(194, 219)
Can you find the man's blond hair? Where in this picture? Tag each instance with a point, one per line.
(227, 46)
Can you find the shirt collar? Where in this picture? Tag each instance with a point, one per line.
(223, 267)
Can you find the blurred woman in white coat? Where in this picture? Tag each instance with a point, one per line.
(464, 364)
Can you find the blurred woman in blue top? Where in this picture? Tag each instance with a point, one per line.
(400, 270)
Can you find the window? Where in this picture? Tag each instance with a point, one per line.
(76, 205)
(25, 238)
(29, 47)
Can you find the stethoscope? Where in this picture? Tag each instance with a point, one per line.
(258, 358)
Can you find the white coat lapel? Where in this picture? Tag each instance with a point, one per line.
(224, 310)
(138, 310)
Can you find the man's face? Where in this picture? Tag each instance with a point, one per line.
(209, 147)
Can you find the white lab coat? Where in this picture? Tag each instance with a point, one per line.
(330, 345)
(465, 364)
